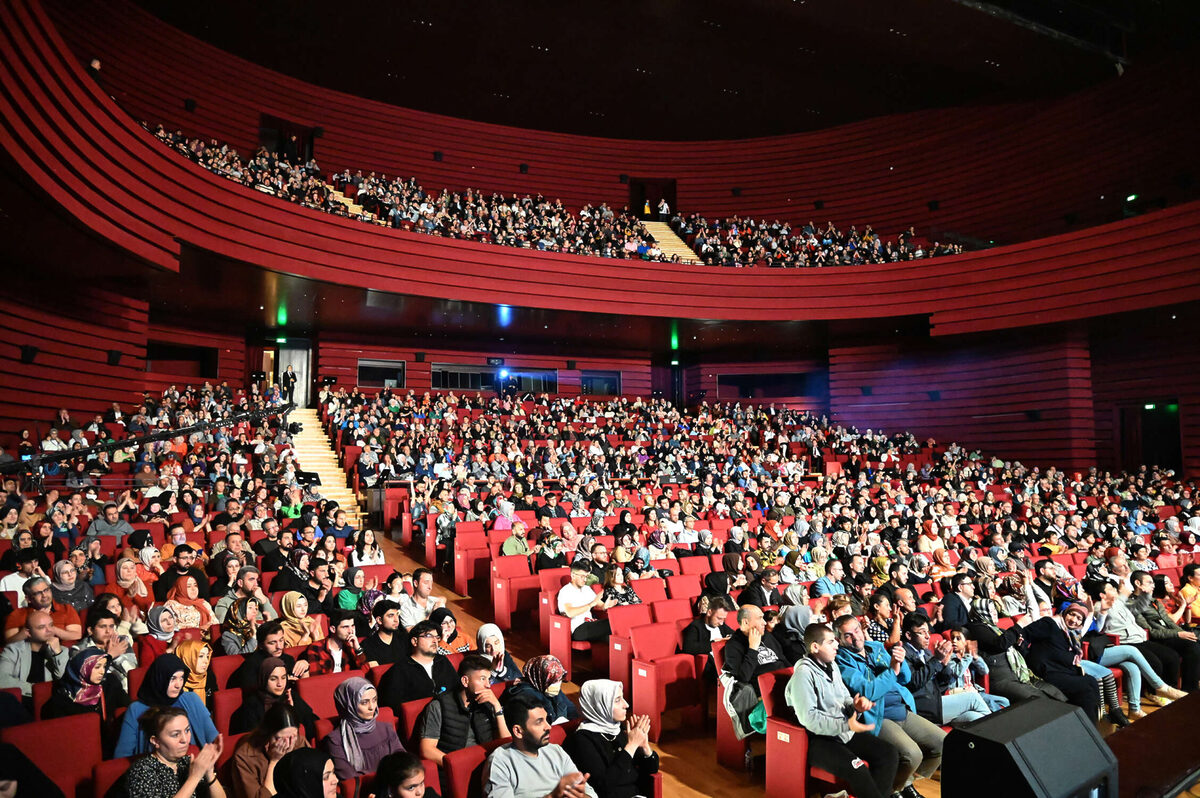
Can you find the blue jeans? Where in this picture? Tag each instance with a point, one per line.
(965, 706)
(1133, 663)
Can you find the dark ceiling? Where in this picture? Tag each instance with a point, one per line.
(687, 69)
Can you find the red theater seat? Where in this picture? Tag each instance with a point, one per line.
(514, 589)
(65, 749)
(664, 680)
(788, 773)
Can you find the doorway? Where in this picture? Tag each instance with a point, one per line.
(292, 140)
(1150, 435)
(296, 355)
(645, 194)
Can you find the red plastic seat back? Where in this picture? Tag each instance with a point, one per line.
(773, 687)
(653, 641)
(410, 713)
(672, 610)
(223, 667)
(107, 773)
(317, 691)
(225, 703)
(685, 586)
(508, 567)
(622, 619)
(650, 590)
(65, 749)
(464, 772)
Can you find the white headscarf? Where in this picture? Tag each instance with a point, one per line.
(596, 699)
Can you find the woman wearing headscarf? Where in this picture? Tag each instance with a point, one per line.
(451, 641)
(789, 631)
(130, 588)
(84, 688)
(197, 655)
(163, 687)
(596, 526)
(305, 773)
(491, 645)
(239, 632)
(184, 600)
(543, 686)
(550, 553)
(656, 543)
(299, 628)
(879, 565)
(611, 745)
(274, 688)
(294, 574)
(624, 525)
(258, 753)
(159, 638)
(68, 589)
(737, 540)
(819, 557)
(357, 742)
(355, 584)
(705, 546)
(639, 566)
(626, 548)
(941, 567)
(734, 568)
(149, 564)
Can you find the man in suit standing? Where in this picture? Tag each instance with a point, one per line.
(287, 381)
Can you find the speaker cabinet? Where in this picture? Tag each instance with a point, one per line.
(1036, 749)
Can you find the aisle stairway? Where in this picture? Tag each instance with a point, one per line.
(670, 243)
(354, 208)
(315, 453)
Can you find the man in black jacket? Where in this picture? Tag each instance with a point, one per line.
(956, 604)
(752, 650)
(422, 674)
(930, 678)
(185, 565)
(764, 591)
(704, 630)
(469, 714)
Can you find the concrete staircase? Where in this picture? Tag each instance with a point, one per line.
(670, 243)
(315, 452)
(354, 208)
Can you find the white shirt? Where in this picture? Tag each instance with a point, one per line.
(15, 582)
(571, 596)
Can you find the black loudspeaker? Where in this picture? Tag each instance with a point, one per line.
(935, 396)
(933, 205)
(624, 178)
(1033, 415)
(114, 357)
(437, 155)
(736, 191)
(29, 353)
(866, 390)
(524, 168)
(819, 204)
(1071, 219)
(570, 365)
(189, 104)
(420, 357)
(1037, 749)
(318, 132)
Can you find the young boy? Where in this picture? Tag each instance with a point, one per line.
(967, 671)
(838, 741)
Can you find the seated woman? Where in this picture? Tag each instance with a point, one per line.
(273, 688)
(1056, 654)
(639, 567)
(184, 600)
(294, 574)
(451, 642)
(610, 745)
(85, 688)
(224, 583)
(616, 588)
(356, 585)
(401, 775)
(159, 638)
(627, 545)
(543, 686)
(491, 645)
(707, 546)
(305, 773)
(197, 655)
(240, 630)
(658, 546)
(357, 742)
(130, 588)
(149, 564)
(252, 771)
(69, 589)
(299, 628)
(169, 771)
(163, 687)
(550, 553)
(367, 551)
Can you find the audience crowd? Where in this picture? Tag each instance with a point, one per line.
(911, 586)
(545, 225)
